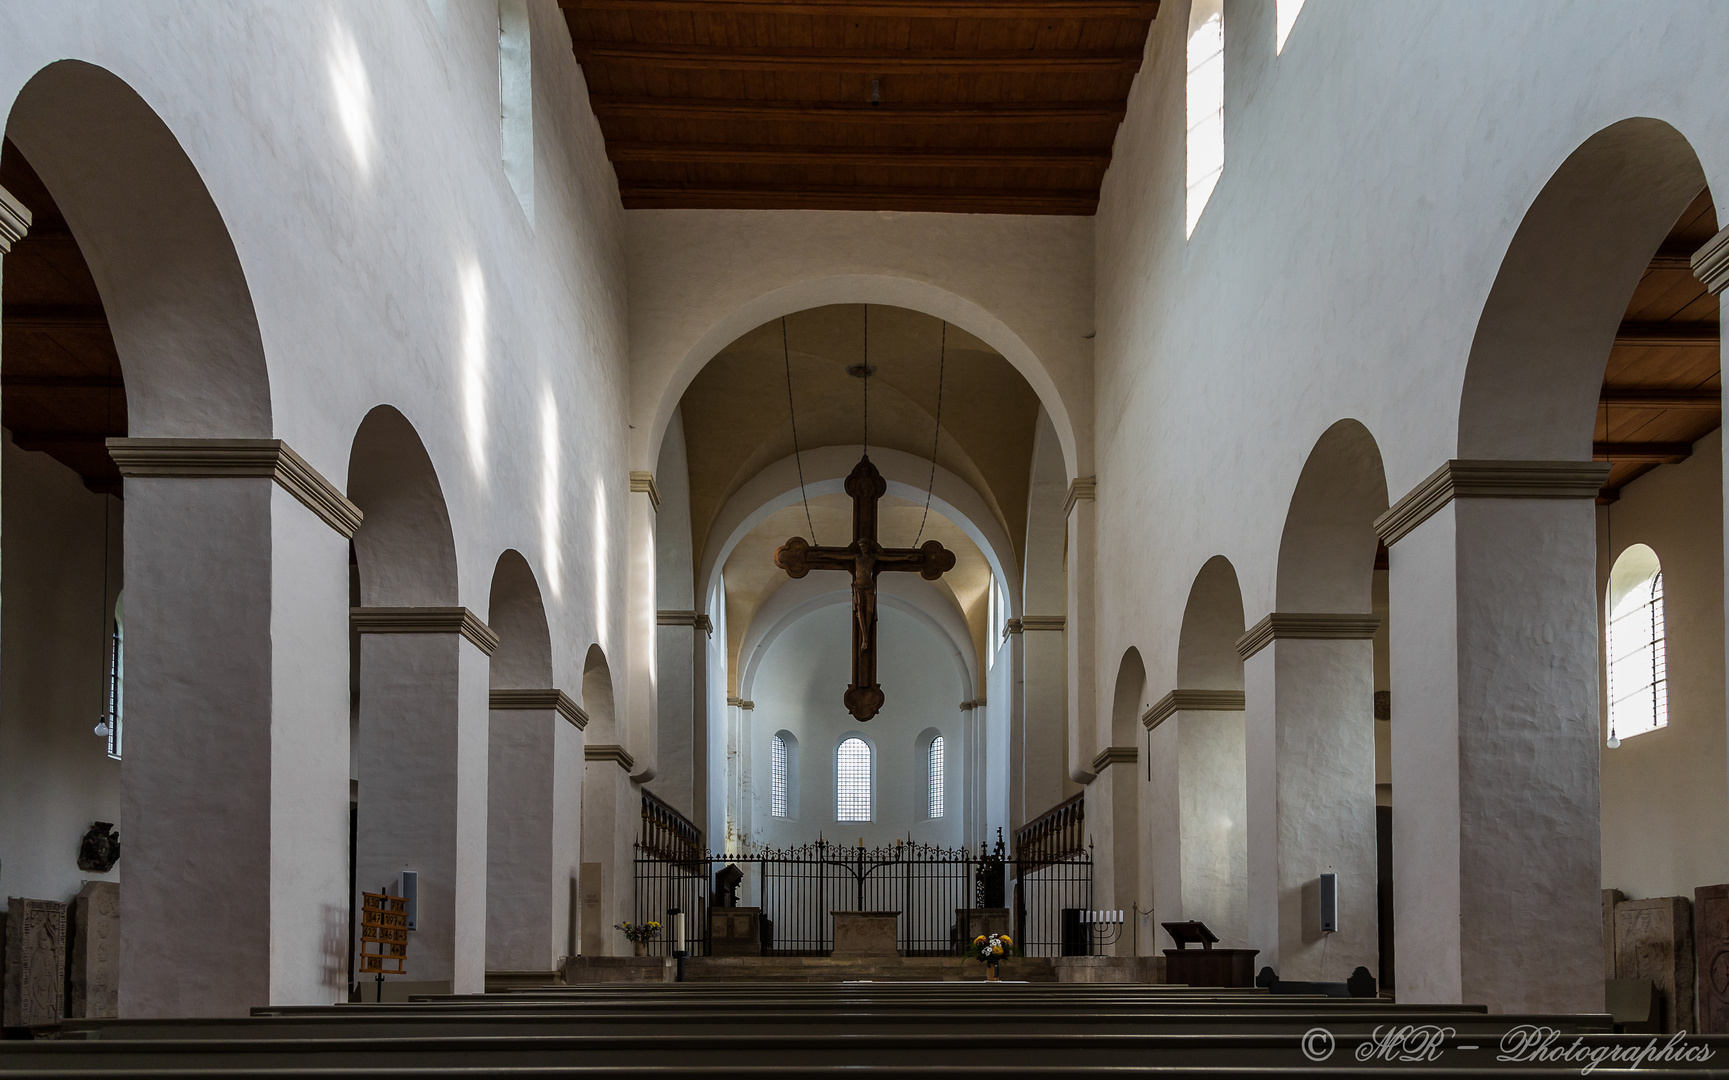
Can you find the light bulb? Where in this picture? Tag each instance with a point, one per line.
(1614, 741)
(102, 729)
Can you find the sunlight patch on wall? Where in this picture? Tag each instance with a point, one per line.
(602, 571)
(1206, 108)
(1288, 11)
(550, 512)
(473, 360)
(353, 96)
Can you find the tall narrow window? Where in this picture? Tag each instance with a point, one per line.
(934, 779)
(1206, 106)
(777, 777)
(516, 101)
(114, 707)
(1638, 660)
(853, 780)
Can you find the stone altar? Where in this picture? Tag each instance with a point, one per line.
(736, 931)
(34, 988)
(1711, 946)
(971, 922)
(1654, 940)
(92, 983)
(865, 933)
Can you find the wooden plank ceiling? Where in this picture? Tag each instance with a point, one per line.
(1663, 385)
(985, 106)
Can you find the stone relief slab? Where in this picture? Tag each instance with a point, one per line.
(1654, 940)
(92, 984)
(35, 974)
(1711, 944)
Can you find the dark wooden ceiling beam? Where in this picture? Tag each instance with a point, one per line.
(778, 58)
(1634, 398)
(887, 114)
(890, 9)
(22, 318)
(1666, 335)
(948, 158)
(1653, 453)
(858, 197)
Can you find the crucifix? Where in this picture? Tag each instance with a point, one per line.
(864, 559)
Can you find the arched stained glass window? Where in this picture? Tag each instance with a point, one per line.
(853, 780)
(934, 779)
(777, 776)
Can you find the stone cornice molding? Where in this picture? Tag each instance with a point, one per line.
(425, 620)
(15, 221)
(550, 699)
(1115, 755)
(644, 482)
(1081, 487)
(1192, 701)
(1011, 626)
(609, 752)
(225, 458)
(740, 703)
(969, 706)
(685, 618)
(1309, 626)
(1490, 479)
(1044, 622)
(1711, 262)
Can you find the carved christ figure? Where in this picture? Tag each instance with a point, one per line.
(864, 559)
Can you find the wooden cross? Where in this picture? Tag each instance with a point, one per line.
(864, 559)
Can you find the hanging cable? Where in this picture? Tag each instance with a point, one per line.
(866, 366)
(942, 362)
(786, 356)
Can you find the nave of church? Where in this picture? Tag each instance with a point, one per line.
(550, 522)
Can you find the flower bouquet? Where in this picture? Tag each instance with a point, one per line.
(990, 948)
(639, 934)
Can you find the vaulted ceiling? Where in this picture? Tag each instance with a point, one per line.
(967, 106)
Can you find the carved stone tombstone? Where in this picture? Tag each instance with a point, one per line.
(1654, 940)
(92, 984)
(35, 980)
(1711, 944)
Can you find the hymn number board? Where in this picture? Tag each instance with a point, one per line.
(383, 934)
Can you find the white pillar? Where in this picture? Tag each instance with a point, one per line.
(423, 760)
(534, 828)
(1087, 731)
(1114, 798)
(1044, 644)
(611, 818)
(1496, 821)
(235, 784)
(1310, 756)
(639, 721)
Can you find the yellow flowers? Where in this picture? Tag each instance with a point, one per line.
(980, 940)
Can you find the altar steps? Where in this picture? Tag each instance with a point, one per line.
(720, 1030)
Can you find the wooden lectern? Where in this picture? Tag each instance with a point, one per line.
(1205, 966)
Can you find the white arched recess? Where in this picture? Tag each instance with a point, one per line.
(903, 592)
(825, 473)
(851, 289)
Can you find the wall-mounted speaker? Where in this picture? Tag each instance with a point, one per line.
(1329, 903)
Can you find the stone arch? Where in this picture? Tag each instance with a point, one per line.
(1127, 702)
(405, 548)
(597, 697)
(172, 285)
(523, 659)
(1327, 550)
(1536, 362)
(864, 289)
(1207, 657)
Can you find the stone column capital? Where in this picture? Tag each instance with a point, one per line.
(551, 699)
(1490, 479)
(1307, 625)
(425, 620)
(15, 221)
(228, 458)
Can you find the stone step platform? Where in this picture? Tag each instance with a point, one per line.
(755, 1029)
